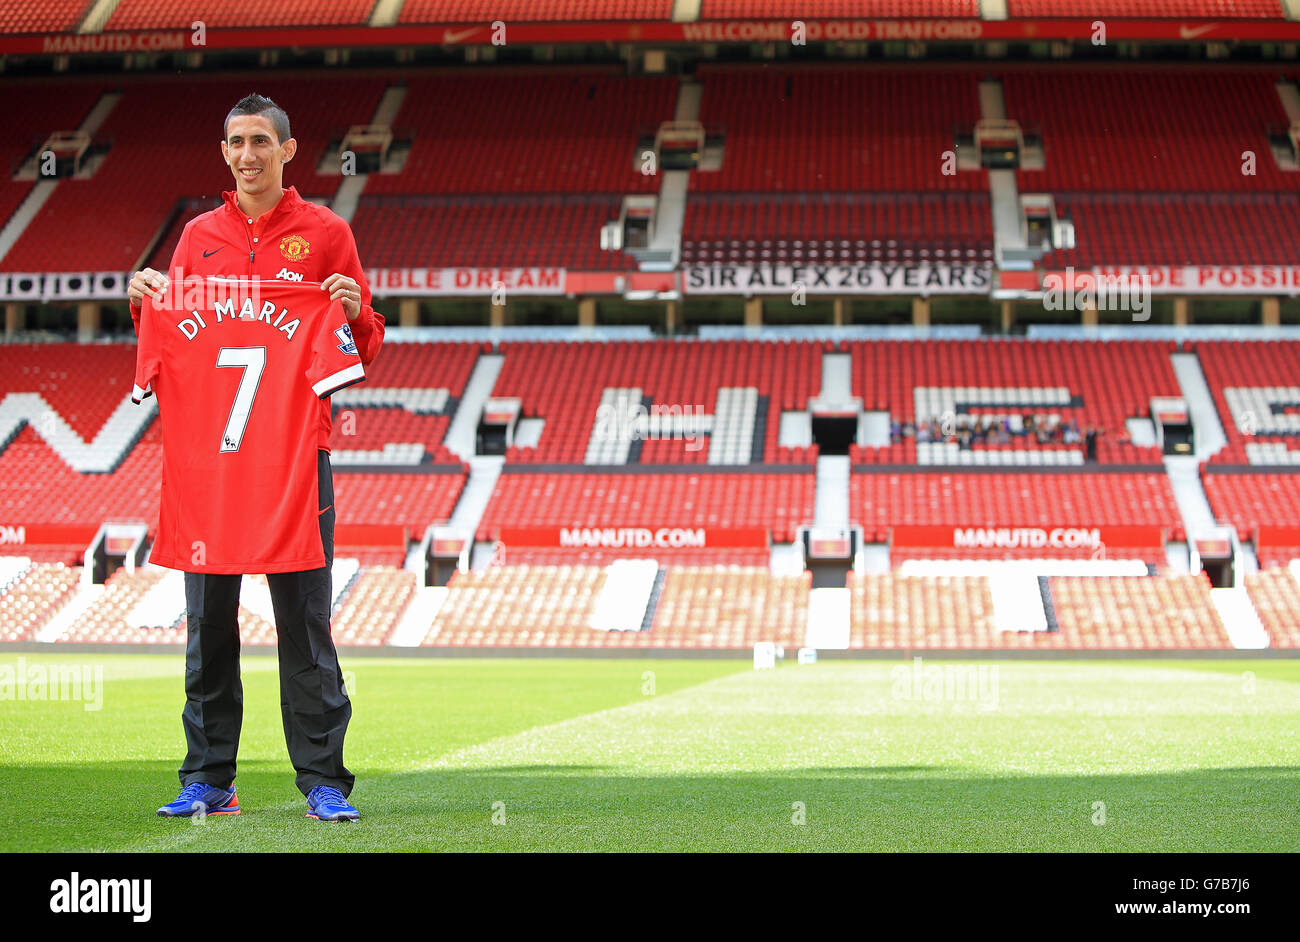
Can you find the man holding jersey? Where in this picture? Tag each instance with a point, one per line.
(265, 232)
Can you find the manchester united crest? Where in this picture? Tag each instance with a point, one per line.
(295, 248)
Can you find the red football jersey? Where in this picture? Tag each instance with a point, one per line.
(239, 369)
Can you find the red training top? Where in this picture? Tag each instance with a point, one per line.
(296, 241)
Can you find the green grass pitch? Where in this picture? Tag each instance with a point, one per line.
(667, 755)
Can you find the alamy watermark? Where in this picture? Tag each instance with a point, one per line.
(1079, 291)
(946, 683)
(635, 421)
(36, 682)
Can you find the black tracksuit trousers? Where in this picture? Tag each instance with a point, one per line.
(314, 703)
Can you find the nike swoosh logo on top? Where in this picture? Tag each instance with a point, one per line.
(1192, 32)
(214, 251)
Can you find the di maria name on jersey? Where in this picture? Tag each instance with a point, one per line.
(239, 370)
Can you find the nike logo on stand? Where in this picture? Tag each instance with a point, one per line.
(213, 252)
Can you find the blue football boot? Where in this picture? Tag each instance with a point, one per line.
(200, 799)
(326, 803)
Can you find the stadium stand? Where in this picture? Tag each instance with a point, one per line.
(721, 607)
(835, 9)
(1152, 129)
(1253, 386)
(410, 396)
(48, 16)
(1276, 597)
(367, 610)
(668, 373)
(1173, 152)
(107, 619)
(33, 597)
(543, 231)
(894, 611)
(410, 500)
(809, 228)
(520, 165)
(81, 386)
(1144, 9)
(772, 500)
(1255, 390)
(522, 606)
(1169, 229)
(524, 131)
(140, 203)
(47, 106)
(805, 130)
(1163, 612)
(528, 11)
(1249, 500)
(522, 139)
(217, 14)
(585, 556)
(1093, 383)
(373, 606)
(1012, 499)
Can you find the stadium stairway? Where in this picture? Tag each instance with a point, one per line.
(1210, 437)
(461, 439)
(352, 186)
(385, 13)
(829, 619)
(97, 17)
(1289, 93)
(665, 249)
(1004, 194)
(67, 616)
(419, 615)
(1017, 601)
(44, 189)
(163, 605)
(1184, 470)
(624, 599)
(1239, 617)
(484, 471)
(831, 504)
(25, 213)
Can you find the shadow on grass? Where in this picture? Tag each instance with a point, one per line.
(586, 808)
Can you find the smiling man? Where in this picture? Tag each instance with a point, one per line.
(265, 231)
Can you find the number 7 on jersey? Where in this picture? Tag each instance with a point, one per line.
(253, 361)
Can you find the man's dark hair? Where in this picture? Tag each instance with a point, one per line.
(260, 104)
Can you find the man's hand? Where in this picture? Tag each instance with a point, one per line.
(146, 281)
(342, 288)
